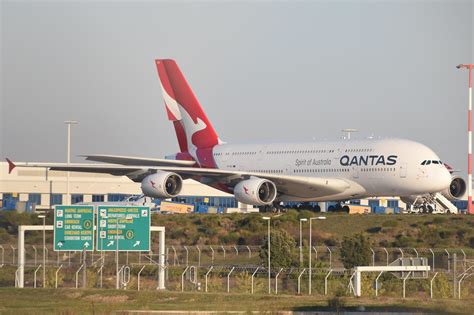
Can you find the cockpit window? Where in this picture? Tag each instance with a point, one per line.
(428, 162)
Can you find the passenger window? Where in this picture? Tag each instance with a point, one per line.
(428, 162)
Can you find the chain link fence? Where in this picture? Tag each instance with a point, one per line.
(237, 269)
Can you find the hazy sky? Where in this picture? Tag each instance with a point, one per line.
(263, 71)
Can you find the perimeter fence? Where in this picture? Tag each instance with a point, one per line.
(238, 269)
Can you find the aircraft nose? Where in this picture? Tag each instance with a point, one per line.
(444, 178)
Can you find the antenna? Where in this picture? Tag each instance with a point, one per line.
(348, 131)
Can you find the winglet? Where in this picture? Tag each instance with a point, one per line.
(11, 166)
(450, 169)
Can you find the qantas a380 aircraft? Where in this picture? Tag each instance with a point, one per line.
(266, 174)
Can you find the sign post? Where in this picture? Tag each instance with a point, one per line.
(123, 228)
(73, 228)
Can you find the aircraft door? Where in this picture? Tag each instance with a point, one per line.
(355, 172)
(403, 170)
(225, 158)
(261, 152)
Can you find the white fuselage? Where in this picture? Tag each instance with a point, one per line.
(373, 167)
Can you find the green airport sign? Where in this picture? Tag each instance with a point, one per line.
(73, 228)
(123, 228)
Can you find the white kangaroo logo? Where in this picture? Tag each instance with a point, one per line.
(190, 127)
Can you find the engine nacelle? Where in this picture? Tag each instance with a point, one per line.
(255, 191)
(456, 189)
(162, 185)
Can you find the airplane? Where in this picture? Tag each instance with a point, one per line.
(269, 173)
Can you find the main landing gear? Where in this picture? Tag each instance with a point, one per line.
(338, 208)
(275, 207)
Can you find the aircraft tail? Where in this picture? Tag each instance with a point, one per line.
(193, 129)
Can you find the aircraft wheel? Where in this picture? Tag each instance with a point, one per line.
(430, 208)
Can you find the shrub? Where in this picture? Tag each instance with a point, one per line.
(442, 288)
(390, 223)
(375, 229)
(439, 220)
(355, 251)
(471, 242)
(244, 283)
(231, 238)
(404, 241)
(445, 234)
(283, 250)
(5, 237)
(330, 242)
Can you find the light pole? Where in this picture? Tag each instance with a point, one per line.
(469, 139)
(68, 123)
(310, 248)
(301, 240)
(269, 274)
(42, 216)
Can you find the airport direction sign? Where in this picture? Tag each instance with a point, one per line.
(123, 228)
(73, 228)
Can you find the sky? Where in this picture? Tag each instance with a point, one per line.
(264, 71)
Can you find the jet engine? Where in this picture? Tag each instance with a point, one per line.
(456, 189)
(162, 185)
(255, 191)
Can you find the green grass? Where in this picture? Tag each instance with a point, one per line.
(420, 231)
(70, 301)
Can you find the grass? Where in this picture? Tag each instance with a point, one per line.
(443, 231)
(70, 301)
(420, 231)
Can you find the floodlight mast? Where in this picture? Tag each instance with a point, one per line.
(309, 252)
(470, 209)
(269, 259)
(69, 123)
(43, 217)
(301, 240)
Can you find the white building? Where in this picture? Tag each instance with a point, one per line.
(47, 188)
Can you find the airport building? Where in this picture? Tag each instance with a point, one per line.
(45, 188)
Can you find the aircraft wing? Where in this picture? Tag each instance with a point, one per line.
(299, 186)
(134, 160)
(289, 185)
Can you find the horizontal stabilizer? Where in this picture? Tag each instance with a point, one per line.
(11, 166)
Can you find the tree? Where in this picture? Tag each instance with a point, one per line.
(283, 249)
(355, 251)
